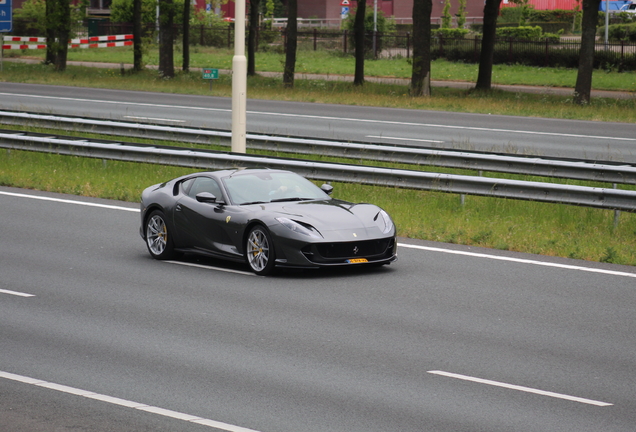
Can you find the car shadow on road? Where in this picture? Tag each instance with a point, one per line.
(290, 273)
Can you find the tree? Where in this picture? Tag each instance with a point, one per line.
(137, 44)
(166, 38)
(291, 43)
(122, 11)
(358, 36)
(186, 36)
(63, 33)
(251, 37)
(421, 74)
(484, 77)
(583, 87)
(53, 18)
(461, 14)
(447, 18)
(50, 32)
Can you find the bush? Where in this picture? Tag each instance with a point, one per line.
(121, 11)
(384, 25)
(208, 29)
(549, 16)
(450, 33)
(619, 32)
(527, 33)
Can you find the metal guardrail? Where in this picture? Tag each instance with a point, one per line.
(601, 171)
(202, 159)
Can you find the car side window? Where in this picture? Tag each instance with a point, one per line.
(205, 184)
(186, 185)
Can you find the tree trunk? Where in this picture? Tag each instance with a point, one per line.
(251, 37)
(51, 25)
(491, 12)
(137, 49)
(421, 74)
(358, 36)
(291, 43)
(583, 87)
(63, 34)
(166, 38)
(186, 36)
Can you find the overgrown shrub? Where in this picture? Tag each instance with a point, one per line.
(384, 25)
(455, 33)
(524, 32)
(208, 29)
(619, 32)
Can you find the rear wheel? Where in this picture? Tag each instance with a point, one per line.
(259, 251)
(158, 239)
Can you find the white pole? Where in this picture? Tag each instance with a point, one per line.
(375, 23)
(239, 80)
(606, 21)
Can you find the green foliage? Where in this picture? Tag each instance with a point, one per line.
(450, 33)
(619, 32)
(34, 11)
(524, 32)
(624, 17)
(121, 11)
(446, 15)
(461, 14)
(384, 25)
(208, 29)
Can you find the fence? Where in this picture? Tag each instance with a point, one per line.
(548, 52)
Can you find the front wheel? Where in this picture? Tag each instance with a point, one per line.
(259, 251)
(158, 239)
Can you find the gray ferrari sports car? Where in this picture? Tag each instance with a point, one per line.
(267, 218)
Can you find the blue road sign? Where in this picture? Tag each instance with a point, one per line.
(6, 16)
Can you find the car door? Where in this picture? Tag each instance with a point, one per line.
(199, 225)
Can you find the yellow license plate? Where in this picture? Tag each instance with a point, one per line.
(357, 260)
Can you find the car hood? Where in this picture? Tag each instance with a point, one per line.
(334, 219)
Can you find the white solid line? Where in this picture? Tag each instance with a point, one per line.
(125, 403)
(404, 139)
(521, 388)
(65, 201)
(152, 118)
(210, 267)
(520, 260)
(16, 293)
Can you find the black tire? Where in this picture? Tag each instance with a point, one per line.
(259, 251)
(158, 238)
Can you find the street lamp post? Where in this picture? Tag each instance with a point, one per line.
(239, 80)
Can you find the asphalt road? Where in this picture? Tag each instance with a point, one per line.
(97, 336)
(509, 134)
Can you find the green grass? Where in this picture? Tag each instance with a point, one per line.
(547, 229)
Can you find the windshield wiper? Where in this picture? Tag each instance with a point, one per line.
(291, 199)
(253, 202)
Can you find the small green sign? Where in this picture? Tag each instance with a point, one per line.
(209, 73)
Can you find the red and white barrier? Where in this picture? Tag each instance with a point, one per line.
(122, 40)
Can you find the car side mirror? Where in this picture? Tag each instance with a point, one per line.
(326, 188)
(207, 197)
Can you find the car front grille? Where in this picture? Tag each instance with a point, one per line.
(337, 252)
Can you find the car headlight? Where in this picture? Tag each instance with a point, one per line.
(384, 221)
(307, 230)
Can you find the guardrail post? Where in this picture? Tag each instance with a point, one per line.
(617, 213)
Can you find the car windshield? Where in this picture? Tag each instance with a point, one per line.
(264, 187)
